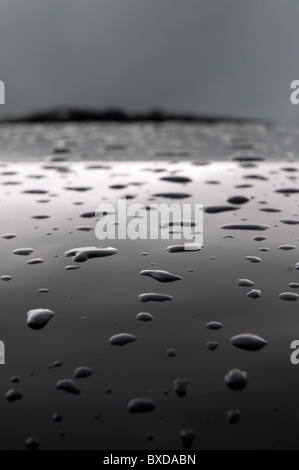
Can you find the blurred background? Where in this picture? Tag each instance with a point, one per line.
(232, 58)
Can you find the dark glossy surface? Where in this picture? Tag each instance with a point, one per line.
(100, 300)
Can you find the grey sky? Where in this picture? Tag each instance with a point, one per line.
(227, 57)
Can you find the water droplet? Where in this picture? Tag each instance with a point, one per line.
(88, 215)
(151, 296)
(180, 387)
(144, 316)
(212, 345)
(122, 339)
(173, 195)
(220, 209)
(15, 379)
(287, 191)
(214, 325)
(84, 228)
(80, 189)
(238, 200)
(259, 239)
(23, 251)
(57, 417)
(236, 379)
(6, 278)
(234, 416)
(141, 405)
(245, 227)
(55, 364)
(187, 436)
(184, 248)
(13, 394)
(289, 221)
(35, 261)
(9, 236)
(43, 291)
(82, 372)
(290, 296)
(40, 217)
(68, 386)
(254, 259)
(249, 342)
(39, 318)
(83, 254)
(72, 268)
(176, 179)
(35, 191)
(287, 247)
(294, 285)
(162, 276)
(245, 283)
(170, 353)
(254, 294)
(269, 210)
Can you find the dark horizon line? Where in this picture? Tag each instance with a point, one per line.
(118, 115)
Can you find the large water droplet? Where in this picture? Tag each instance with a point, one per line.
(290, 296)
(38, 318)
(249, 342)
(236, 379)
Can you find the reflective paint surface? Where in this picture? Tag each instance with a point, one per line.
(168, 384)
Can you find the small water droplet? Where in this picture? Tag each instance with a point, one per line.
(234, 416)
(254, 294)
(212, 345)
(14, 394)
(214, 325)
(180, 387)
(290, 296)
